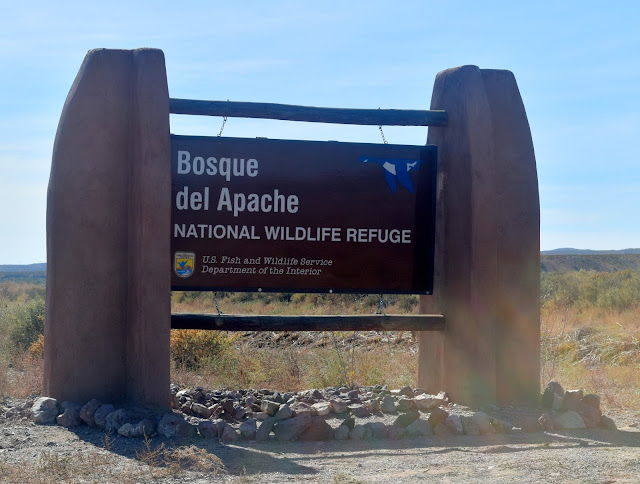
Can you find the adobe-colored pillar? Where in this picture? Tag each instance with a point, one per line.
(108, 213)
(487, 235)
(518, 297)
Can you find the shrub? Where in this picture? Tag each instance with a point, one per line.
(191, 348)
(36, 350)
(22, 322)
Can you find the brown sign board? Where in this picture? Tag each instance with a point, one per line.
(301, 216)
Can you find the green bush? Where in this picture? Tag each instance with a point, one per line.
(584, 289)
(22, 322)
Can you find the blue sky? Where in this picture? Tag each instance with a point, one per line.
(577, 65)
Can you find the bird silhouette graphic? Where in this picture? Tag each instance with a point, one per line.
(395, 170)
(184, 268)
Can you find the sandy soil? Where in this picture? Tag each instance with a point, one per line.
(36, 453)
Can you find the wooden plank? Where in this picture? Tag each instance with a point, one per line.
(377, 322)
(288, 112)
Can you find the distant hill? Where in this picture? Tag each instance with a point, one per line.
(568, 251)
(41, 267)
(608, 262)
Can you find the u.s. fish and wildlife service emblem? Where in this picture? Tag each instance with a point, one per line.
(184, 263)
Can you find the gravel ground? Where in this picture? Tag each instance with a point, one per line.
(37, 453)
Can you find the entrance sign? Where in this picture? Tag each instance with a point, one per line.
(122, 229)
(307, 216)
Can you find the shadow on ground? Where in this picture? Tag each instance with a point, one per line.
(272, 456)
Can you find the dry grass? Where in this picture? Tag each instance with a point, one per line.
(171, 462)
(293, 368)
(596, 350)
(101, 466)
(91, 467)
(23, 378)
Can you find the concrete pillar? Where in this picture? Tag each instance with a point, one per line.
(108, 213)
(487, 351)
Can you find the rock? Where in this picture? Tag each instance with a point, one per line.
(216, 410)
(338, 405)
(419, 428)
(426, 402)
(208, 429)
(530, 424)
(388, 405)
(483, 422)
(100, 415)
(249, 428)
(547, 398)
(116, 419)
(239, 413)
(557, 402)
(173, 425)
(547, 422)
(591, 416)
(357, 432)
(291, 429)
(88, 411)
(378, 429)
(442, 430)
(372, 405)
(353, 395)
(322, 408)
(301, 408)
(127, 430)
(443, 396)
(228, 406)
(284, 412)
(455, 424)
(260, 416)
(469, 426)
(45, 410)
(341, 433)
(229, 435)
(501, 426)
(359, 411)
(592, 400)
(70, 416)
(405, 404)
(201, 411)
(269, 407)
(317, 430)
(396, 433)
(406, 391)
(145, 427)
(608, 423)
(186, 408)
(569, 420)
(437, 415)
(350, 422)
(405, 419)
(572, 399)
(555, 387)
(265, 429)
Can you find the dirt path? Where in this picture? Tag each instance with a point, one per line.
(33, 453)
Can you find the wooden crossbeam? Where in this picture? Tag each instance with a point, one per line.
(289, 112)
(244, 322)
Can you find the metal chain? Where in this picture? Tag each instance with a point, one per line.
(381, 307)
(215, 298)
(224, 121)
(382, 133)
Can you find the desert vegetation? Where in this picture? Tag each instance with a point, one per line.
(590, 339)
